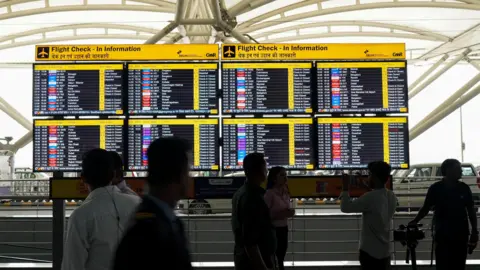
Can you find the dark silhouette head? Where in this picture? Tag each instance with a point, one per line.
(97, 168)
(379, 173)
(276, 176)
(451, 169)
(255, 168)
(169, 160)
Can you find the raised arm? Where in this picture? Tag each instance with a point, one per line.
(360, 205)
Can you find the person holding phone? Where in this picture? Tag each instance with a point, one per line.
(277, 199)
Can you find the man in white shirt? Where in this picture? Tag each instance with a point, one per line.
(118, 180)
(96, 227)
(377, 208)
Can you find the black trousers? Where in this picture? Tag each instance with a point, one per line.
(368, 262)
(451, 254)
(282, 245)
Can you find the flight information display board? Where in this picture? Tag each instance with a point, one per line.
(203, 134)
(365, 87)
(285, 142)
(352, 143)
(187, 88)
(266, 88)
(59, 145)
(77, 89)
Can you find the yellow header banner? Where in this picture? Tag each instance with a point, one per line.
(313, 51)
(110, 52)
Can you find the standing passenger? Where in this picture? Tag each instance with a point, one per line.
(119, 181)
(453, 205)
(255, 240)
(277, 198)
(96, 227)
(377, 208)
(157, 238)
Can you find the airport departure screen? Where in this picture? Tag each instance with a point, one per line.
(354, 142)
(59, 145)
(77, 89)
(362, 87)
(187, 88)
(201, 133)
(266, 88)
(285, 142)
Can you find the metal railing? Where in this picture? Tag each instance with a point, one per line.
(318, 232)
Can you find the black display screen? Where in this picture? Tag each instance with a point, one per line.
(59, 145)
(78, 89)
(344, 87)
(285, 142)
(201, 133)
(162, 88)
(352, 143)
(266, 88)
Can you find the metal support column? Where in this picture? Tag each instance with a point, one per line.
(430, 80)
(471, 83)
(447, 111)
(217, 15)
(16, 115)
(170, 27)
(58, 231)
(428, 72)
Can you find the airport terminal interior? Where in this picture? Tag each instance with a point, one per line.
(320, 87)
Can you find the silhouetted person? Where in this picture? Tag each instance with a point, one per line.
(453, 206)
(377, 207)
(119, 181)
(277, 198)
(157, 240)
(255, 241)
(96, 226)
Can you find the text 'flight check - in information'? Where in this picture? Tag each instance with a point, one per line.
(266, 88)
(362, 87)
(285, 142)
(186, 88)
(202, 134)
(355, 142)
(82, 89)
(59, 145)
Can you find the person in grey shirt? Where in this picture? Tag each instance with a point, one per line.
(119, 181)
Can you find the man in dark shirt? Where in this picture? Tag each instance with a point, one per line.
(255, 241)
(156, 239)
(453, 206)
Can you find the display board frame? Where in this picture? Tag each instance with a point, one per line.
(143, 114)
(312, 140)
(316, 105)
(77, 119)
(127, 148)
(407, 138)
(312, 89)
(124, 89)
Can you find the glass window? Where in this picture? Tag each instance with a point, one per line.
(468, 171)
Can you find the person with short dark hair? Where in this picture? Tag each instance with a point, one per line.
(119, 181)
(96, 227)
(157, 236)
(453, 206)
(277, 198)
(255, 241)
(377, 207)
